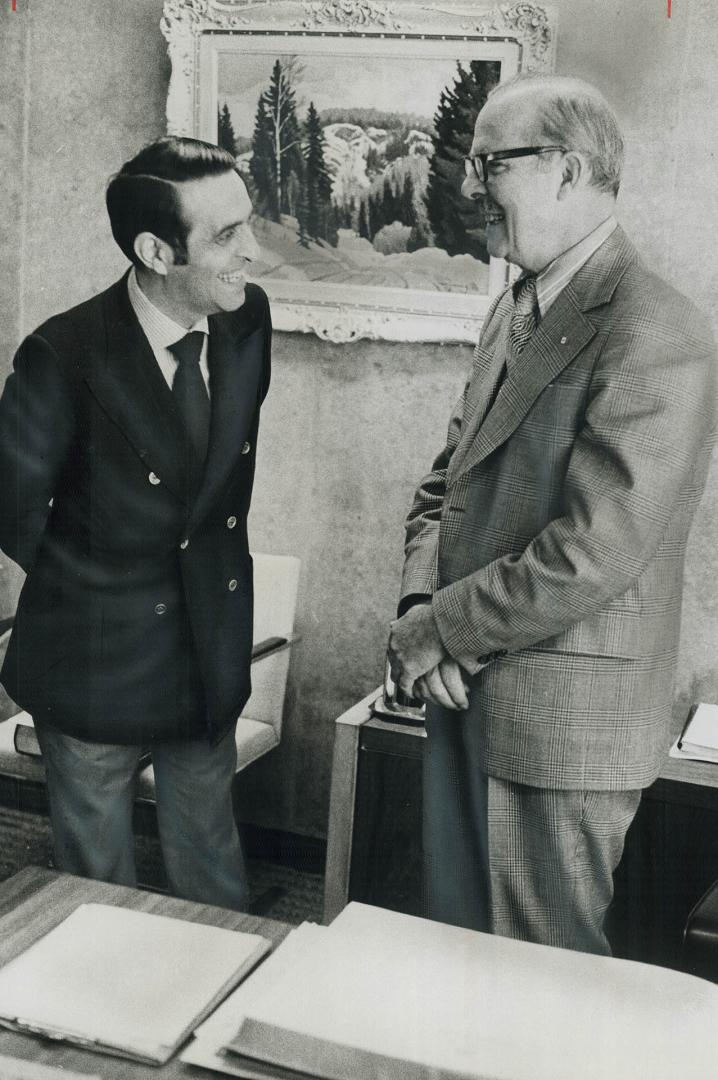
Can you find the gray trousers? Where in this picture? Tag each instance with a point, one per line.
(530, 863)
(91, 789)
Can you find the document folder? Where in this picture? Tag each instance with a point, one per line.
(699, 738)
(124, 982)
(384, 996)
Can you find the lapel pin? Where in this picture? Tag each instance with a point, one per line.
(564, 340)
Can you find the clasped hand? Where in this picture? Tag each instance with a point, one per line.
(420, 665)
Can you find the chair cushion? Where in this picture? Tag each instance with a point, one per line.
(276, 580)
(21, 766)
(253, 738)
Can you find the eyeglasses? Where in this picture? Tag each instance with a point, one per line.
(478, 165)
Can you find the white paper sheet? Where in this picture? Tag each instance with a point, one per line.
(699, 740)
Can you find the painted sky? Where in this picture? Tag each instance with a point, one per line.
(405, 84)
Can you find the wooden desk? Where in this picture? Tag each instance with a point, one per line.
(35, 900)
(374, 836)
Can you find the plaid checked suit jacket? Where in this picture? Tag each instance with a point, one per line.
(553, 526)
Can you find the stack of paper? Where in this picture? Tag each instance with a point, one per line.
(393, 997)
(124, 981)
(207, 1048)
(699, 738)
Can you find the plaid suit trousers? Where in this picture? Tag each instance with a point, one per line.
(524, 862)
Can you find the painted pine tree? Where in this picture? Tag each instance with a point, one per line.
(320, 220)
(389, 203)
(407, 209)
(225, 130)
(450, 214)
(276, 146)
(262, 165)
(362, 223)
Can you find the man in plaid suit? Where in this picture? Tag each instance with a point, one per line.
(541, 594)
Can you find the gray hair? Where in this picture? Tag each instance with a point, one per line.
(572, 113)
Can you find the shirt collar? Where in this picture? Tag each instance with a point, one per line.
(161, 331)
(556, 276)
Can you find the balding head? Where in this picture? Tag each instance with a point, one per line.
(568, 112)
(544, 167)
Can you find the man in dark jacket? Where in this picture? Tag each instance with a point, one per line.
(127, 449)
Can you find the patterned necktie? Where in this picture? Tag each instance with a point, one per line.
(524, 318)
(190, 391)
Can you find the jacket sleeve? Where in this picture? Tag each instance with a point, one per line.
(36, 430)
(644, 447)
(419, 578)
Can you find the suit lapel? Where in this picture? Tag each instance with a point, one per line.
(235, 367)
(557, 341)
(487, 370)
(127, 382)
(565, 331)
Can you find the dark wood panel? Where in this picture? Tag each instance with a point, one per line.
(670, 860)
(386, 853)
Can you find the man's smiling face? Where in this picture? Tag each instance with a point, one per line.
(519, 199)
(220, 245)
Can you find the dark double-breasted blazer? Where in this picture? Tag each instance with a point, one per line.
(135, 619)
(551, 531)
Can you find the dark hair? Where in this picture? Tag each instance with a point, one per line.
(143, 196)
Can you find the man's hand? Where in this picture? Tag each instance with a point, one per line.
(415, 647)
(444, 685)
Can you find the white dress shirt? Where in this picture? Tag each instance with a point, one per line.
(161, 332)
(554, 278)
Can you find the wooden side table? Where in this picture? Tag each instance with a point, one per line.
(373, 841)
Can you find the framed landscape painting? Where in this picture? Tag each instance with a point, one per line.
(350, 121)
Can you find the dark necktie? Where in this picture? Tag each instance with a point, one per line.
(190, 391)
(525, 316)
(523, 322)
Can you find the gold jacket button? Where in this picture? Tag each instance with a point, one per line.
(184, 544)
(160, 609)
(232, 584)
(154, 478)
(246, 448)
(231, 521)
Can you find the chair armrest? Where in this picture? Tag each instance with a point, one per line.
(700, 937)
(269, 646)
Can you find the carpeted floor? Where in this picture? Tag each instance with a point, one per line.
(278, 891)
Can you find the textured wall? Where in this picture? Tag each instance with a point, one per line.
(346, 433)
(347, 430)
(14, 72)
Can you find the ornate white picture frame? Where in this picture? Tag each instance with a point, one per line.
(351, 250)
